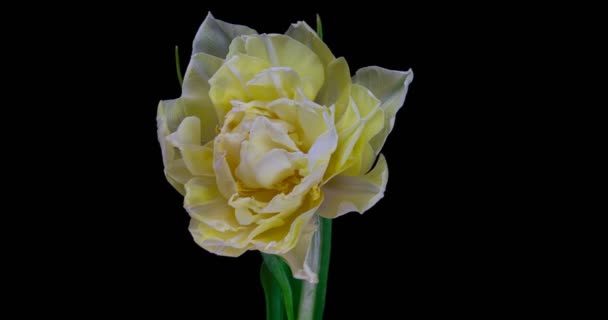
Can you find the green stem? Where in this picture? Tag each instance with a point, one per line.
(178, 67)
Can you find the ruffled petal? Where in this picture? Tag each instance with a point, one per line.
(344, 194)
(274, 83)
(230, 81)
(283, 51)
(227, 243)
(214, 36)
(197, 159)
(391, 88)
(280, 233)
(205, 204)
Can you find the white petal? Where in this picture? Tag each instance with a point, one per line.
(344, 194)
(391, 88)
(214, 36)
(300, 259)
(195, 99)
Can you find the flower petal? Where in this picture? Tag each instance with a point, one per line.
(204, 203)
(372, 121)
(214, 36)
(302, 32)
(344, 194)
(391, 88)
(170, 155)
(223, 174)
(195, 98)
(280, 233)
(274, 83)
(195, 93)
(198, 159)
(227, 243)
(336, 90)
(230, 81)
(282, 51)
(299, 258)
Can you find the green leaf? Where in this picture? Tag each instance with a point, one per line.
(325, 230)
(319, 27)
(296, 287)
(279, 270)
(178, 67)
(272, 293)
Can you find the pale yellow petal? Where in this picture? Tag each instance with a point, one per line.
(225, 181)
(221, 243)
(372, 121)
(390, 87)
(275, 166)
(230, 81)
(336, 90)
(214, 36)
(280, 233)
(187, 134)
(267, 134)
(274, 83)
(288, 203)
(302, 262)
(195, 99)
(341, 158)
(247, 209)
(236, 47)
(199, 161)
(176, 172)
(197, 158)
(204, 203)
(283, 51)
(302, 32)
(325, 144)
(344, 194)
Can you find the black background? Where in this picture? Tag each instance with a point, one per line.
(432, 244)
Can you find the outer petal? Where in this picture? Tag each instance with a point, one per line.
(175, 170)
(302, 32)
(195, 97)
(344, 194)
(226, 243)
(205, 204)
(300, 259)
(195, 93)
(391, 88)
(214, 36)
(336, 90)
(197, 158)
(372, 121)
